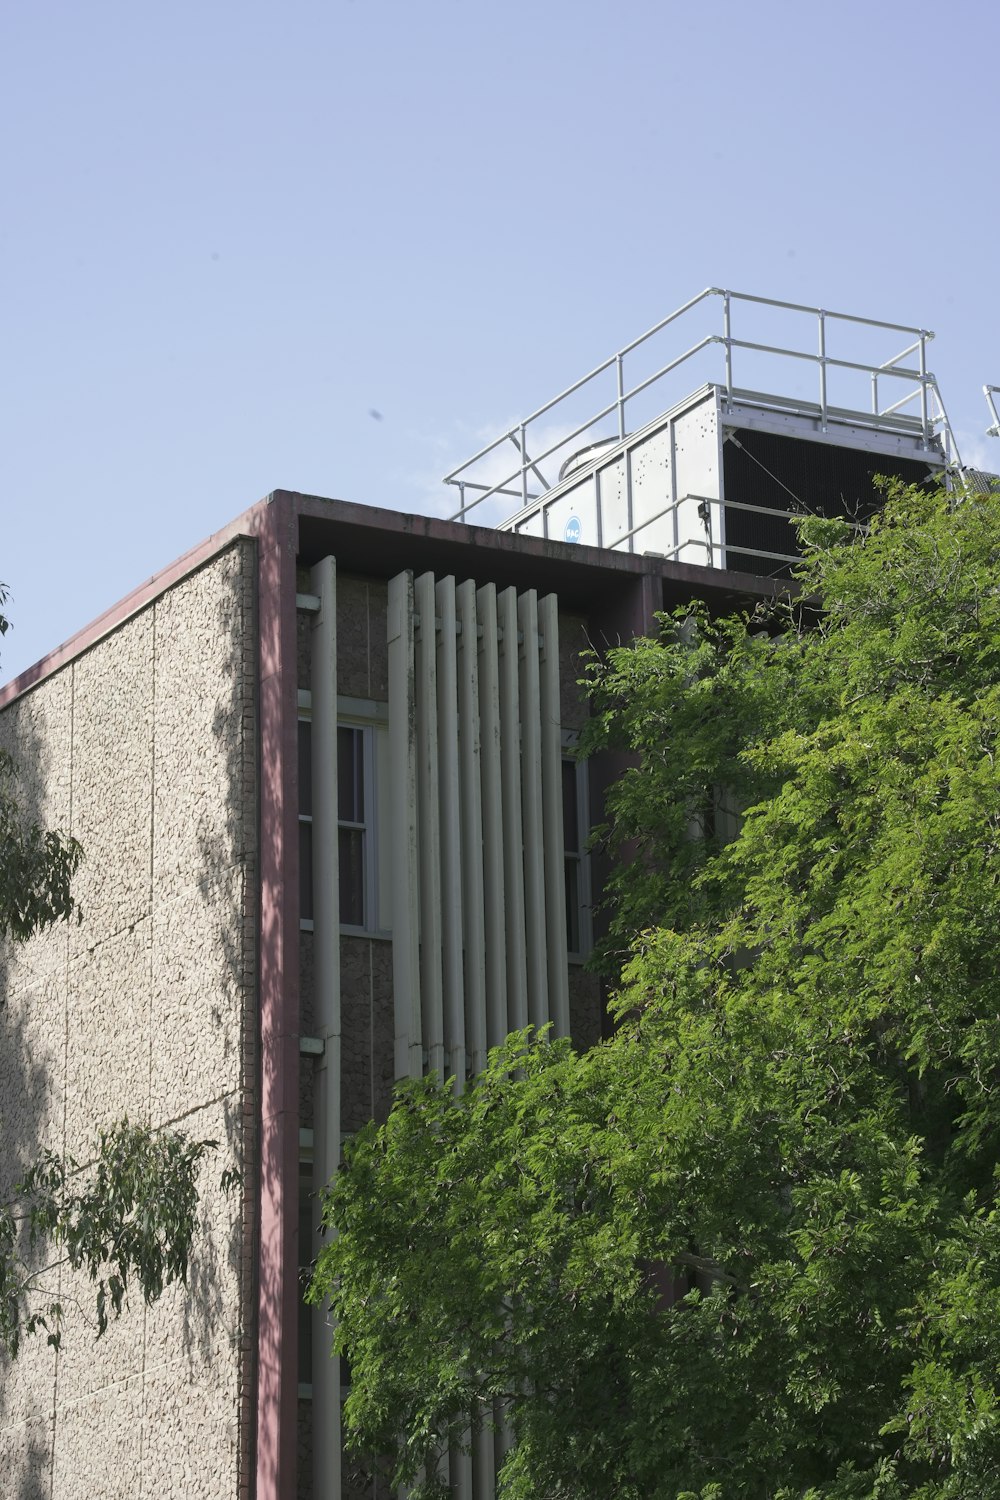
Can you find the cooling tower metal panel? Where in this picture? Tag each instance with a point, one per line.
(781, 474)
(636, 494)
(716, 481)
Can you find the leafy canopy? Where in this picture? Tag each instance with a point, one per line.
(750, 1246)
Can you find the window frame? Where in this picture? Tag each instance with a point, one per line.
(581, 855)
(368, 717)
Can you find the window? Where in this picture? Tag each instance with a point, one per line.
(575, 859)
(355, 834)
(352, 832)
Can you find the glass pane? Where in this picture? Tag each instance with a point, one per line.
(305, 767)
(350, 775)
(305, 870)
(572, 867)
(352, 877)
(571, 829)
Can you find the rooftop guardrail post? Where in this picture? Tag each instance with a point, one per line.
(822, 368)
(727, 339)
(619, 362)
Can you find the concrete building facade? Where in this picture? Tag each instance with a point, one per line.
(205, 988)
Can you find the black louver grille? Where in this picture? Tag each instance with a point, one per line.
(787, 474)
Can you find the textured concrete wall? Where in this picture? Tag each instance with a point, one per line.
(144, 748)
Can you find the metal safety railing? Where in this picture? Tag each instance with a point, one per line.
(991, 392)
(477, 481)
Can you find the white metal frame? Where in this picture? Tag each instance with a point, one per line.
(990, 392)
(931, 423)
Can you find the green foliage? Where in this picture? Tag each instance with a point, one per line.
(37, 868)
(127, 1219)
(37, 865)
(748, 1249)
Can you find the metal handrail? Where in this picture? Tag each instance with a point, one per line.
(933, 419)
(989, 391)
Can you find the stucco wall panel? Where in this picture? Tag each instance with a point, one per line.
(26, 1459)
(88, 1364)
(189, 1438)
(97, 1446)
(144, 747)
(32, 1074)
(201, 819)
(36, 732)
(108, 1036)
(27, 1384)
(112, 780)
(197, 978)
(197, 1330)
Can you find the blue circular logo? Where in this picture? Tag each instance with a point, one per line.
(574, 529)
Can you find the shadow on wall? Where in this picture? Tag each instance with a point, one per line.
(221, 1290)
(196, 780)
(32, 1061)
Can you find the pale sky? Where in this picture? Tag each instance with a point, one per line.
(233, 232)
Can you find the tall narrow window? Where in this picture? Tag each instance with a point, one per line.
(578, 939)
(353, 821)
(305, 821)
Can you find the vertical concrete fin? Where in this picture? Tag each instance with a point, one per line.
(533, 826)
(452, 885)
(510, 776)
(326, 950)
(471, 798)
(493, 825)
(429, 823)
(403, 824)
(552, 817)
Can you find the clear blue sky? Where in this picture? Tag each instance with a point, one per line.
(231, 232)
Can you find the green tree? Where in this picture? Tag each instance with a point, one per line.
(750, 1246)
(127, 1217)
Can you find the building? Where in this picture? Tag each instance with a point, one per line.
(333, 836)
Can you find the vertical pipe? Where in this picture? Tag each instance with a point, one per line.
(510, 778)
(403, 825)
(727, 340)
(493, 824)
(451, 834)
(923, 389)
(552, 817)
(471, 797)
(674, 499)
(326, 949)
(533, 826)
(428, 816)
(524, 469)
(460, 1469)
(620, 365)
(598, 506)
(483, 1461)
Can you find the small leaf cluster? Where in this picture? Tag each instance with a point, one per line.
(36, 868)
(127, 1220)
